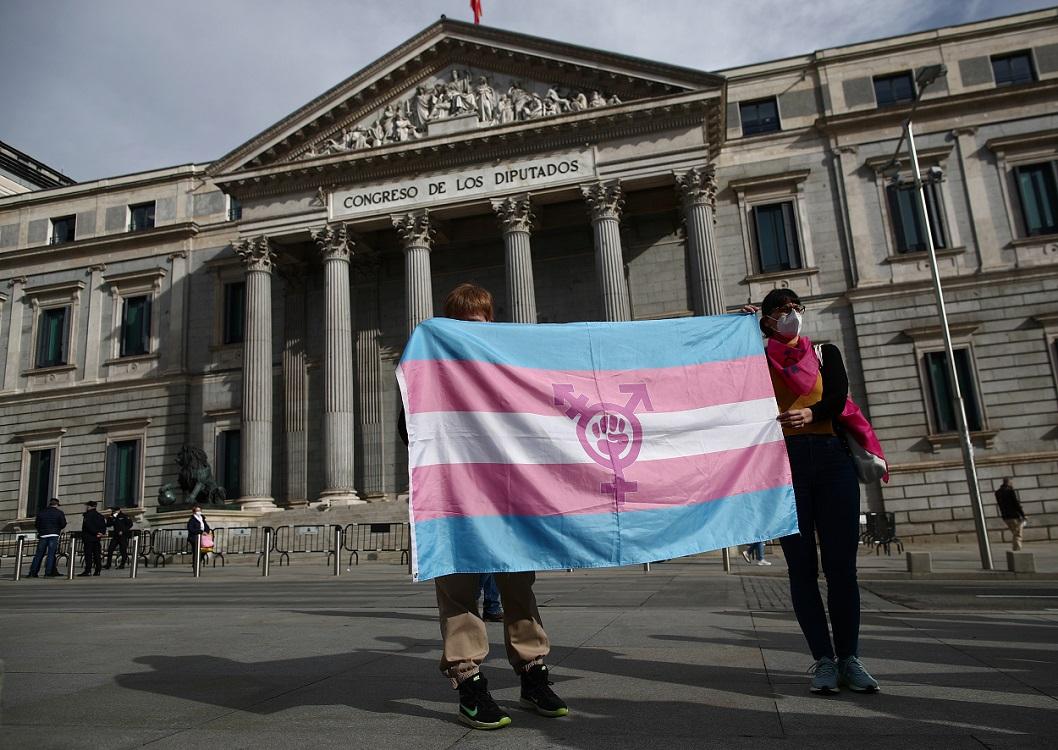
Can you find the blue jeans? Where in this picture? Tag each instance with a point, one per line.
(490, 604)
(49, 545)
(756, 550)
(828, 504)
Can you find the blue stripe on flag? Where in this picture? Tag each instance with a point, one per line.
(483, 544)
(590, 346)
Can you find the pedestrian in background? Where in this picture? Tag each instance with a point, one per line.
(93, 527)
(49, 523)
(1011, 511)
(197, 525)
(754, 554)
(811, 392)
(491, 608)
(120, 529)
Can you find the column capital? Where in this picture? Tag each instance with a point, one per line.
(515, 213)
(334, 242)
(698, 185)
(414, 229)
(605, 199)
(256, 253)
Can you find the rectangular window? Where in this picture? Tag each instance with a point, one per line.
(229, 446)
(1039, 197)
(39, 485)
(136, 326)
(234, 209)
(234, 312)
(53, 333)
(944, 398)
(141, 216)
(759, 117)
(906, 212)
(62, 229)
(1012, 69)
(123, 474)
(777, 246)
(891, 90)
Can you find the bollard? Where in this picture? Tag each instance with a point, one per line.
(134, 567)
(337, 550)
(919, 562)
(646, 567)
(727, 559)
(73, 556)
(1021, 561)
(267, 549)
(196, 565)
(20, 546)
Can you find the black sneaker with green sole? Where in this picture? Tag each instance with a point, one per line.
(538, 695)
(477, 709)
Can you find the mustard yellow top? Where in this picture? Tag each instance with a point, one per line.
(787, 400)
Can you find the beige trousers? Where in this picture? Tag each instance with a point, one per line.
(464, 638)
(1016, 525)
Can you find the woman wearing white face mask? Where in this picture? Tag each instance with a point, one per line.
(811, 395)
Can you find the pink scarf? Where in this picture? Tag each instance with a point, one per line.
(798, 367)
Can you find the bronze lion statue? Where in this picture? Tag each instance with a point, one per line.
(195, 479)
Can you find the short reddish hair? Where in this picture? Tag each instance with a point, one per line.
(467, 301)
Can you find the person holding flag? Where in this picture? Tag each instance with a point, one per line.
(465, 640)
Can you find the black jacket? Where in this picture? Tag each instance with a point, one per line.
(193, 528)
(92, 523)
(51, 520)
(120, 524)
(1009, 507)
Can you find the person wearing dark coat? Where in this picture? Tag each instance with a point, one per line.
(49, 522)
(196, 525)
(120, 530)
(1011, 511)
(93, 527)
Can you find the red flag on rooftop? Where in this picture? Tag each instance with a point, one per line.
(475, 5)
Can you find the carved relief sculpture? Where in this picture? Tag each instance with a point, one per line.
(463, 94)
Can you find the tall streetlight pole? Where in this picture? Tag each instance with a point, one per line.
(925, 77)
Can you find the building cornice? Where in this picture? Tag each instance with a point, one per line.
(121, 183)
(68, 251)
(1033, 93)
(1022, 141)
(497, 143)
(882, 291)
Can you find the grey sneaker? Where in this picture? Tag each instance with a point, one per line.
(824, 676)
(852, 675)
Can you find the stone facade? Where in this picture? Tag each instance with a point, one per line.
(273, 331)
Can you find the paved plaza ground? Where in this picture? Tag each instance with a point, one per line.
(685, 656)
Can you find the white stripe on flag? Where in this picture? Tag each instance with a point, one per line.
(459, 437)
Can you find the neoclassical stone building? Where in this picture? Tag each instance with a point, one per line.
(255, 307)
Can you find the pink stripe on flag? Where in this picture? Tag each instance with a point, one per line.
(464, 385)
(452, 490)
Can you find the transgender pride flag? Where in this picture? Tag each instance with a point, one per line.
(584, 445)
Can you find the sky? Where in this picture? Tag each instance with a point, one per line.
(100, 88)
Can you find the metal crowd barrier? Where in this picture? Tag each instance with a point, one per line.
(167, 543)
(238, 540)
(377, 537)
(303, 539)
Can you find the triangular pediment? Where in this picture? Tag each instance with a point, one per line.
(453, 78)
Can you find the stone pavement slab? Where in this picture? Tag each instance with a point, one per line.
(683, 656)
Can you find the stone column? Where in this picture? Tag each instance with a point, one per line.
(295, 393)
(516, 219)
(372, 420)
(698, 191)
(94, 334)
(255, 465)
(339, 452)
(176, 337)
(14, 334)
(416, 236)
(606, 200)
